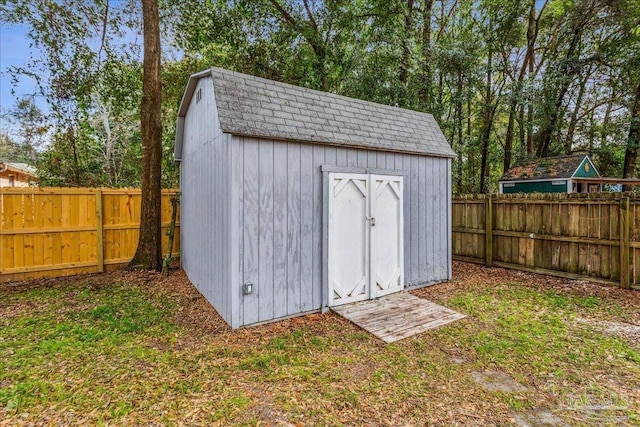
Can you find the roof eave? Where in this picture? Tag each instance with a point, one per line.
(7, 167)
(342, 144)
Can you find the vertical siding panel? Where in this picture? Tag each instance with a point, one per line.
(390, 161)
(415, 213)
(219, 151)
(449, 212)
(440, 211)
(293, 228)
(341, 156)
(240, 212)
(235, 233)
(428, 233)
(318, 208)
(371, 159)
(397, 161)
(352, 157)
(422, 213)
(227, 245)
(381, 160)
(280, 229)
(362, 159)
(330, 156)
(251, 230)
(266, 231)
(218, 202)
(211, 256)
(306, 225)
(406, 165)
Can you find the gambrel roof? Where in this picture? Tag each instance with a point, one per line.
(257, 107)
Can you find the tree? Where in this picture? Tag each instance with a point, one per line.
(149, 252)
(504, 81)
(31, 131)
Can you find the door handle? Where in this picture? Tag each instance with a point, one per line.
(372, 219)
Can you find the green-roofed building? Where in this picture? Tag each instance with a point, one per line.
(551, 175)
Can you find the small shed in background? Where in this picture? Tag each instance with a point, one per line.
(294, 200)
(17, 174)
(552, 175)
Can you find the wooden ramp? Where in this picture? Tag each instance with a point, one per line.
(397, 316)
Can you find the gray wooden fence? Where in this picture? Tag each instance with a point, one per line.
(594, 236)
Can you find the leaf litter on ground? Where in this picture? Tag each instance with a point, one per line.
(141, 348)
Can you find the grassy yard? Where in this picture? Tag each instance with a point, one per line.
(137, 348)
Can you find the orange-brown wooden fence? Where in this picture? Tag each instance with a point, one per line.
(46, 232)
(595, 236)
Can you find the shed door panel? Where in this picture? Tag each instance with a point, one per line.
(348, 238)
(365, 237)
(387, 263)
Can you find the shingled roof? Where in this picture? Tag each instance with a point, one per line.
(545, 168)
(18, 167)
(257, 107)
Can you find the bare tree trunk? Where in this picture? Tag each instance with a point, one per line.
(427, 66)
(459, 127)
(508, 139)
(488, 119)
(633, 140)
(605, 122)
(149, 252)
(570, 66)
(573, 122)
(528, 62)
(522, 129)
(406, 49)
(71, 133)
(471, 154)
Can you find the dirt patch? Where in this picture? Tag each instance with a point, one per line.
(538, 418)
(498, 381)
(627, 331)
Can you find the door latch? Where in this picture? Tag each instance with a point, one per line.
(372, 219)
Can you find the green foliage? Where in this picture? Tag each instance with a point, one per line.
(467, 63)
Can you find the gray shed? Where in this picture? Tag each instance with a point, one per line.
(295, 200)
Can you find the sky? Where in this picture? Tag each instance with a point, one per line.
(14, 51)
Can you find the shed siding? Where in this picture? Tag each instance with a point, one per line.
(205, 209)
(536, 187)
(279, 210)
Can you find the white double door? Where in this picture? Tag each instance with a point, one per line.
(365, 237)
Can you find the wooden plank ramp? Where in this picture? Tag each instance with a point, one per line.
(397, 316)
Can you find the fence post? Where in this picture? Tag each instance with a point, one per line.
(625, 281)
(99, 231)
(488, 232)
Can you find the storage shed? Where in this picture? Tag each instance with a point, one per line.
(560, 174)
(295, 200)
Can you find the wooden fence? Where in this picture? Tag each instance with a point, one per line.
(46, 232)
(595, 236)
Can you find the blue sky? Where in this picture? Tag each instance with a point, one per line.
(14, 51)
